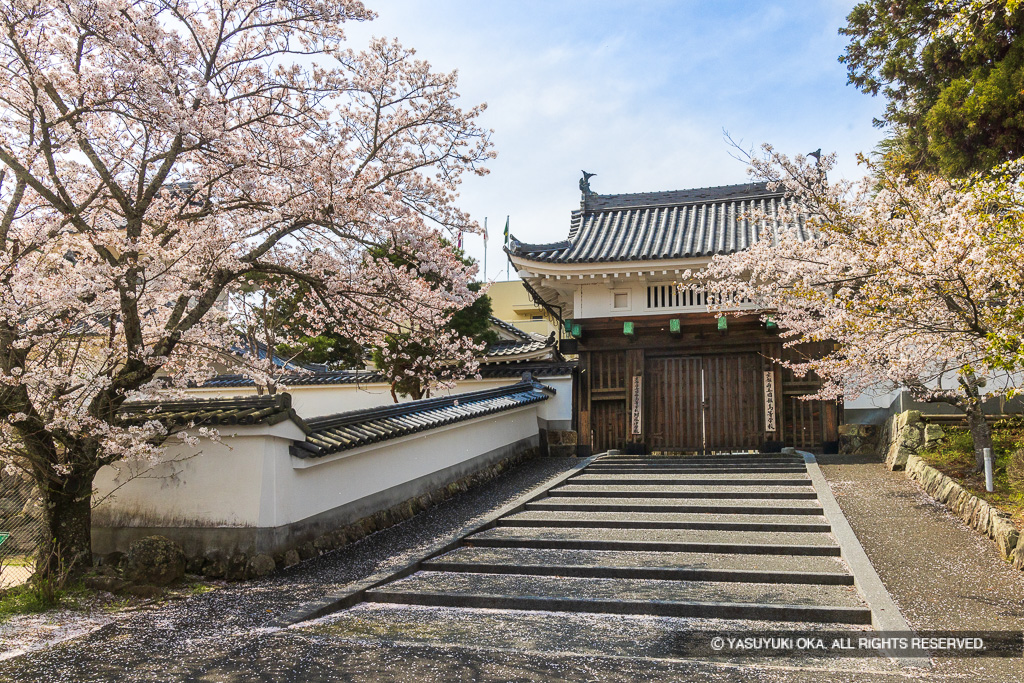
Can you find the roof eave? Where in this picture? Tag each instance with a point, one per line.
(615, 269)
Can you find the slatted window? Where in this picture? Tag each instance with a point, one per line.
(663, 296)
(689, 296)
(608, 370)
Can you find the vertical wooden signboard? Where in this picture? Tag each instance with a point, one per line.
(769, 401)
(636, 408)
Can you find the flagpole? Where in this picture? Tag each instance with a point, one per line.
(508, 267)
(485, 249)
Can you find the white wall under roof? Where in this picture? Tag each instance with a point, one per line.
(629, 298)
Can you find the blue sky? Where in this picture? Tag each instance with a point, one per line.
(637, 92)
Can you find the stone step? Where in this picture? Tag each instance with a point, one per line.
(696, 469)
(700, 491)
(477, 560)
(721, 466)
(721, 479)
(660, 535)
(787, 602)
(676, 540)
(722, 454)
(665, 520)
(658, 560)
(720, 505)
(689, 460)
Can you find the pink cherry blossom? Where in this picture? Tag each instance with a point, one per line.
(917, 282)
(155, 155)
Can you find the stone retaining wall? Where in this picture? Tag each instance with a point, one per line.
(975, 512)
(560, 443)
(905, 435)
(858, 439)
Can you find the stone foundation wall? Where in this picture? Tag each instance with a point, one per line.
(900, 436)
(904, 435)
(975, 512)
(858, 439)
(561, 443)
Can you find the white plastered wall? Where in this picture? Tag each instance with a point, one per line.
(311, 486)
(214, 484)
(251, 480)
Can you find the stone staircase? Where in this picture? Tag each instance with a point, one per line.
(724, 537)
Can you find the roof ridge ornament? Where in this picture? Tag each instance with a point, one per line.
(585, 191)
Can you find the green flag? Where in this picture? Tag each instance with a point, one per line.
(506, 230)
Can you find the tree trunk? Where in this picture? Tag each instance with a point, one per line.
(67, 513)
(981, 433)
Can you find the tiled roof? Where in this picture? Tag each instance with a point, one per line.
(242, 410)
(293, 379)
(262, 352)
(345, 431)
(512, 329)
(298, 379)
(516, 348)
(522, 342)
(540, 369)
(660, 225)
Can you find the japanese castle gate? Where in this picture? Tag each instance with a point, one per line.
(657, 370)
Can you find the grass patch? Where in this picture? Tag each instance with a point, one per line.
(29, 599)
(954, 457)
(119, 603)
(21, 600)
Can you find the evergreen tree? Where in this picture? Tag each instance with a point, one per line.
(406, 356)
(953, 75)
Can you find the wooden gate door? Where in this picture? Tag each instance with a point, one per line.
(703, 403)
(673, 402)
(608, 415)
(732, 402)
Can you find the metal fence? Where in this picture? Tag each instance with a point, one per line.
(21, 528)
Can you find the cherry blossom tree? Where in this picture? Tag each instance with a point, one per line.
(155, 156)
(916, 281)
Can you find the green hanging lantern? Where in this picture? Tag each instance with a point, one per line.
(723, 325)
